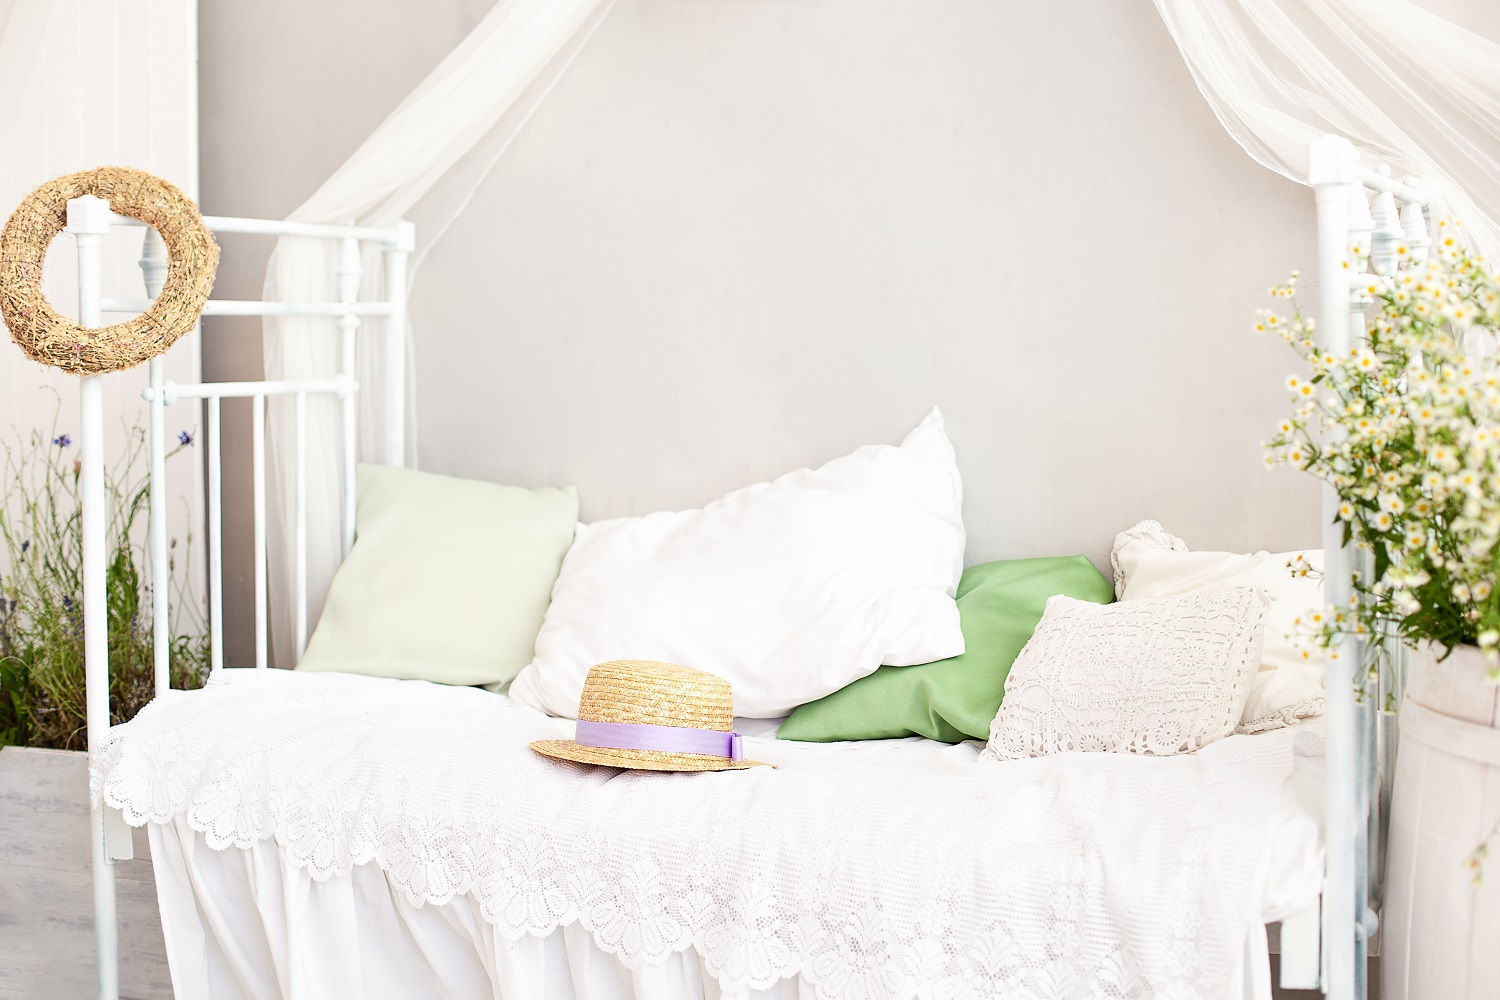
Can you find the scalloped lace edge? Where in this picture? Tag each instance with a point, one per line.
(1292, 715)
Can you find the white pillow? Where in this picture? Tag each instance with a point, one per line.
(1150, 562)
(788, 590)
(1162, 676)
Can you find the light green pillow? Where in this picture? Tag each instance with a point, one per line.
(448, 579)
(999, 605)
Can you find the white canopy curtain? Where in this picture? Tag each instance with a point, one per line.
(423, 163)
(1412, 89)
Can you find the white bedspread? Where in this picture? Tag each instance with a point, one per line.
(891, 869)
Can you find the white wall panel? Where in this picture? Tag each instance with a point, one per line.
(112, 82)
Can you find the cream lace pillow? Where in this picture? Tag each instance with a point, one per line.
(1160, 676)
(1151, 562)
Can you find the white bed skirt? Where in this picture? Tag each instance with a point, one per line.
(243, 924)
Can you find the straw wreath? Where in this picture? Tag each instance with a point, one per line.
(192, 258)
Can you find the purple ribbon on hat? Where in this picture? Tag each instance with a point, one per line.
(669, 739)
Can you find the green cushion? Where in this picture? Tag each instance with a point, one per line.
(955, 699)
(448, 579)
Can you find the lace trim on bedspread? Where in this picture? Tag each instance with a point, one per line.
(888, 870)
(1292, 715)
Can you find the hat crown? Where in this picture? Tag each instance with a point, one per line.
(645, 692)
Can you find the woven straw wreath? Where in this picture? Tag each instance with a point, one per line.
(192, 259)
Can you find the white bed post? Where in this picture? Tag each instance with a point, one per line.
(258, 490)
(154, 274)
(215, 537)
(1365, 231)
(347, 278)
(395, 346)
(88, 221)
(1331, 174)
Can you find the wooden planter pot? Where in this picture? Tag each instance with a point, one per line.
(46, 890)
(1442, 930)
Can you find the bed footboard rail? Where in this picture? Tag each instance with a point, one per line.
(89, 220)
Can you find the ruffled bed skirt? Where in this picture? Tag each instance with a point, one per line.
(244, 924)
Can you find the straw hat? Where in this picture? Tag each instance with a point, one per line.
(645, 715)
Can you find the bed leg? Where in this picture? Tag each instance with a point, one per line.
(119, 842)
(1300, 939)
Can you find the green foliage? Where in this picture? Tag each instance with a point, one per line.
(42, 701)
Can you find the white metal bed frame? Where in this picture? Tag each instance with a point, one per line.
(89, 220)
(1360, 736)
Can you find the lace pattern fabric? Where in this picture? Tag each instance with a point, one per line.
(1150, 561)
(888, 870)
(1292, 715)
(1160, 676)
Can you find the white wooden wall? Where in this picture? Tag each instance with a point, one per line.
(109, 82)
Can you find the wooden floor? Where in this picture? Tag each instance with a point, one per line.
(46, 892)
(1277, 993)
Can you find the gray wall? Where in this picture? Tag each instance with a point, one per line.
(747, 235)
(287, 91)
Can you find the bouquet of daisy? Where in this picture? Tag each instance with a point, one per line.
(1406, 428)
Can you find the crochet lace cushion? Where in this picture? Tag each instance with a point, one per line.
(1157, 677)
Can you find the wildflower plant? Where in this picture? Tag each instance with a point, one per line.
(1406, 429)
(42, 699)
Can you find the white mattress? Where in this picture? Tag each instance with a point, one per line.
(325, 835)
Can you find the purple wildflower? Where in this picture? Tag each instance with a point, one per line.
(62, 440)
(25, 545)
(184, 438)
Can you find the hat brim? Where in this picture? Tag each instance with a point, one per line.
(642, 760)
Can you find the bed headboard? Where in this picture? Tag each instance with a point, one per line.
(395, 242)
